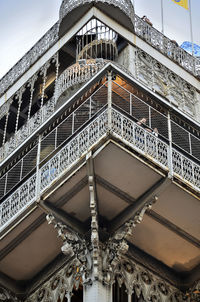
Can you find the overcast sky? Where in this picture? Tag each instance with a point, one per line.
(24, 22)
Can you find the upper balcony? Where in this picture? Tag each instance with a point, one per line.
(159, 138)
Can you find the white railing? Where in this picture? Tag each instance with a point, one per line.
(122, 127)
(27, 129)
(167, 46)
(186, 169)
(29, 191)
(141, 140)
(78, 73)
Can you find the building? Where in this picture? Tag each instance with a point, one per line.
(100, 153)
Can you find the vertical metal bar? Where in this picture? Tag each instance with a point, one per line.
(38, 168)
(5, 183)
(90, 112)
(170, 159)
(22, 164)
(73, 117)
(130, 104)
(190, 143)
(149, 116)
(5, 128)
(56, 137)
(109, 101)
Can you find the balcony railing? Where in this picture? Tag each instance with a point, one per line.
(123, 128)
(167, 46)
(27, 129)
(78, 73)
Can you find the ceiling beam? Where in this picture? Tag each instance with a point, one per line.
(115, 190)
(166, 223)
(174, 228)
(139, 203)
(63, 216)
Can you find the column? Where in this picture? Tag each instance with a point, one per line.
(109, 101)
(97, 292)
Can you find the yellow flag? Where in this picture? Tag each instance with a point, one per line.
(183, 3)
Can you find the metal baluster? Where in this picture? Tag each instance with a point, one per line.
(38, 168)
(5, 183)
(90, 110)
(5, 128)
(130, 104)
(170, 157)
(145, 141)
(22, 165)
(56, 137)
(73, 117)
(149, 116)
(190, 143)
(109, 101)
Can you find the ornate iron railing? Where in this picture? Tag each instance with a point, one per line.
(167, 46)
(142, 29)
(27, 129)
(122, 127)
(125, 5)
(140, 139)
(29, 191)
(78, 73)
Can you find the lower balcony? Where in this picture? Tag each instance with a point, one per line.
(108, 123)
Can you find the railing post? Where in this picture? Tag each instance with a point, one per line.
(38, 169)
(110, 101)
(170, 160)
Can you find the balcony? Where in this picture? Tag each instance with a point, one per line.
(82, 130)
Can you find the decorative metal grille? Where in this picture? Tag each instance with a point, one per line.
(124, 129)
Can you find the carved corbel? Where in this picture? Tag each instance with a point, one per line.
(117, 246)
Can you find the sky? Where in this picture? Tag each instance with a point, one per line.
(24, 22)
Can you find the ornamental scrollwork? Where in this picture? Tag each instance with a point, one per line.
(29, 58)
(166, 83)
(68, 5)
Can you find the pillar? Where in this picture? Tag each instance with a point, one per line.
(97, 292)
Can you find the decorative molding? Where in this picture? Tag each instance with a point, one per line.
(29, 58)
(166, 83)
(168, 47)
(69, 5)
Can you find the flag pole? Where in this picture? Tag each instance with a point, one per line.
(191, 29)
(162, 16)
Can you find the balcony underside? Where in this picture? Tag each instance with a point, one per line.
(130, 165)
(168, 239)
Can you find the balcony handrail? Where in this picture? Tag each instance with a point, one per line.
(122, 127)
(166, 46)
(27, 129)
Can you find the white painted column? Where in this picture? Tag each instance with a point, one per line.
(110, 101)
(97, 292)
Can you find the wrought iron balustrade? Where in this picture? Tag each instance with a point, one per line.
(122, 127)
(27, 129)
(167, 46)
(54, 139)
(78, 73)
